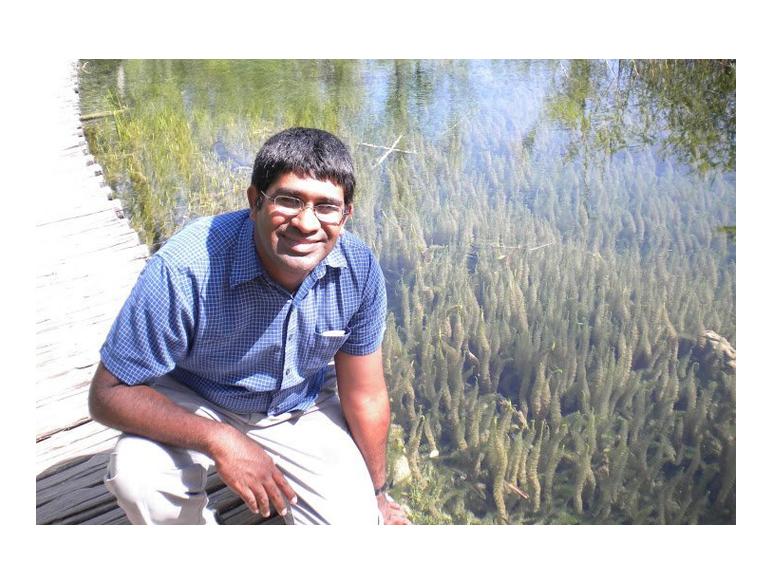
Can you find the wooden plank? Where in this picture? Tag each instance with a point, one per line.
(64, 414)
(52, 332)
(56, 374)
(85, 236)
(71, 277)
(80, 307)
(76, 507)
(86, 439)
(77, 231)
(59, 403)
(93, 208)
(125, 252)
(84, 240)
(76, 287)
(68, 377)
(114, 517)
(82, 302)
(94, 249)
(71, 473)
(87, 258)
(78, 220)
(79, 354)
(74, 493)
(85, 333)
(51, 390)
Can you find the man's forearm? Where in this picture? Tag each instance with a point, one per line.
(365, 404)
(146, 412)
(241, 462)
(368, 419)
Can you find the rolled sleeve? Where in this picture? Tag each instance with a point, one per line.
(153, 329)
(369, 322)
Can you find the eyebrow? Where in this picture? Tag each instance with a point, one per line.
(324, 200)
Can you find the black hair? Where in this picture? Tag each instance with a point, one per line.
(307, 153)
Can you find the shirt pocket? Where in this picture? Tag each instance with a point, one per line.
(321, 349)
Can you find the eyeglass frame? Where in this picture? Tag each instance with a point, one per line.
(344, 211)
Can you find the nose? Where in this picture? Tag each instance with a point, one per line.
(306, 220)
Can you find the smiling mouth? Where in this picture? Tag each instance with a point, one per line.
(299, 245)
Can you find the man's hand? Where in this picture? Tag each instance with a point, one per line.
(246, 468)
(392, 512)
(242, 463)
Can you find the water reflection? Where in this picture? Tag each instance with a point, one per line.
(561, 295)
(688, 107)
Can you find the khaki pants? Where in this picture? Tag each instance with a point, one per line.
(159, 484)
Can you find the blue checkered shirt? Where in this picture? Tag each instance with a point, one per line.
(205, 311)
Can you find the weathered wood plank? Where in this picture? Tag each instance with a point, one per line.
(85, 439)
(75, 494)
(53, 334)
(74, 288)
(53, 389)
(72, 473)
(65, 413)
(52, 331)
(83, 221)
(87, 258)
(76, 505)
(113, 517)
(84, 208)
(48, 282)
(49, 382)
(83, 217)
(98, 242)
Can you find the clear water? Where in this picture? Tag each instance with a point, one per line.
(557, 237)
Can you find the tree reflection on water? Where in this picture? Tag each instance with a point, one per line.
(688, 107)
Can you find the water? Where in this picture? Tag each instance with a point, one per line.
(557, 239)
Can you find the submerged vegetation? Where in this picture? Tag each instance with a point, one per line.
(558, 244)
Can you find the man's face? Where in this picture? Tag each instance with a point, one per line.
(291, 247)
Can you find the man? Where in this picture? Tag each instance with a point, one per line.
(222, 356)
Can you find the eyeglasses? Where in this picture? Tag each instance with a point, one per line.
(326, 213)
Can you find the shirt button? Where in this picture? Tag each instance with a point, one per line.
(286, 372)
(289, 338)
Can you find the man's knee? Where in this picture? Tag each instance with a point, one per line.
(156, 485)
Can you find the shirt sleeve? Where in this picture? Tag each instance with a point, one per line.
(154, 327)
(369, 322)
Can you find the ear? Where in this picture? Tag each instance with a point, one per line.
(252, 197)
(350, 214)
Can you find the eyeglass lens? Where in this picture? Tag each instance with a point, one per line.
(325, 212)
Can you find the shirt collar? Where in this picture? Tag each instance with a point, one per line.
(247, 265)
(246, 262)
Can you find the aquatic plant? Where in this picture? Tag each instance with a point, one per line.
(550, 273)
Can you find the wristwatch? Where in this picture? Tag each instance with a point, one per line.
(382, 489)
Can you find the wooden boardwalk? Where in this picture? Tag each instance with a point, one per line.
(87, 261)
